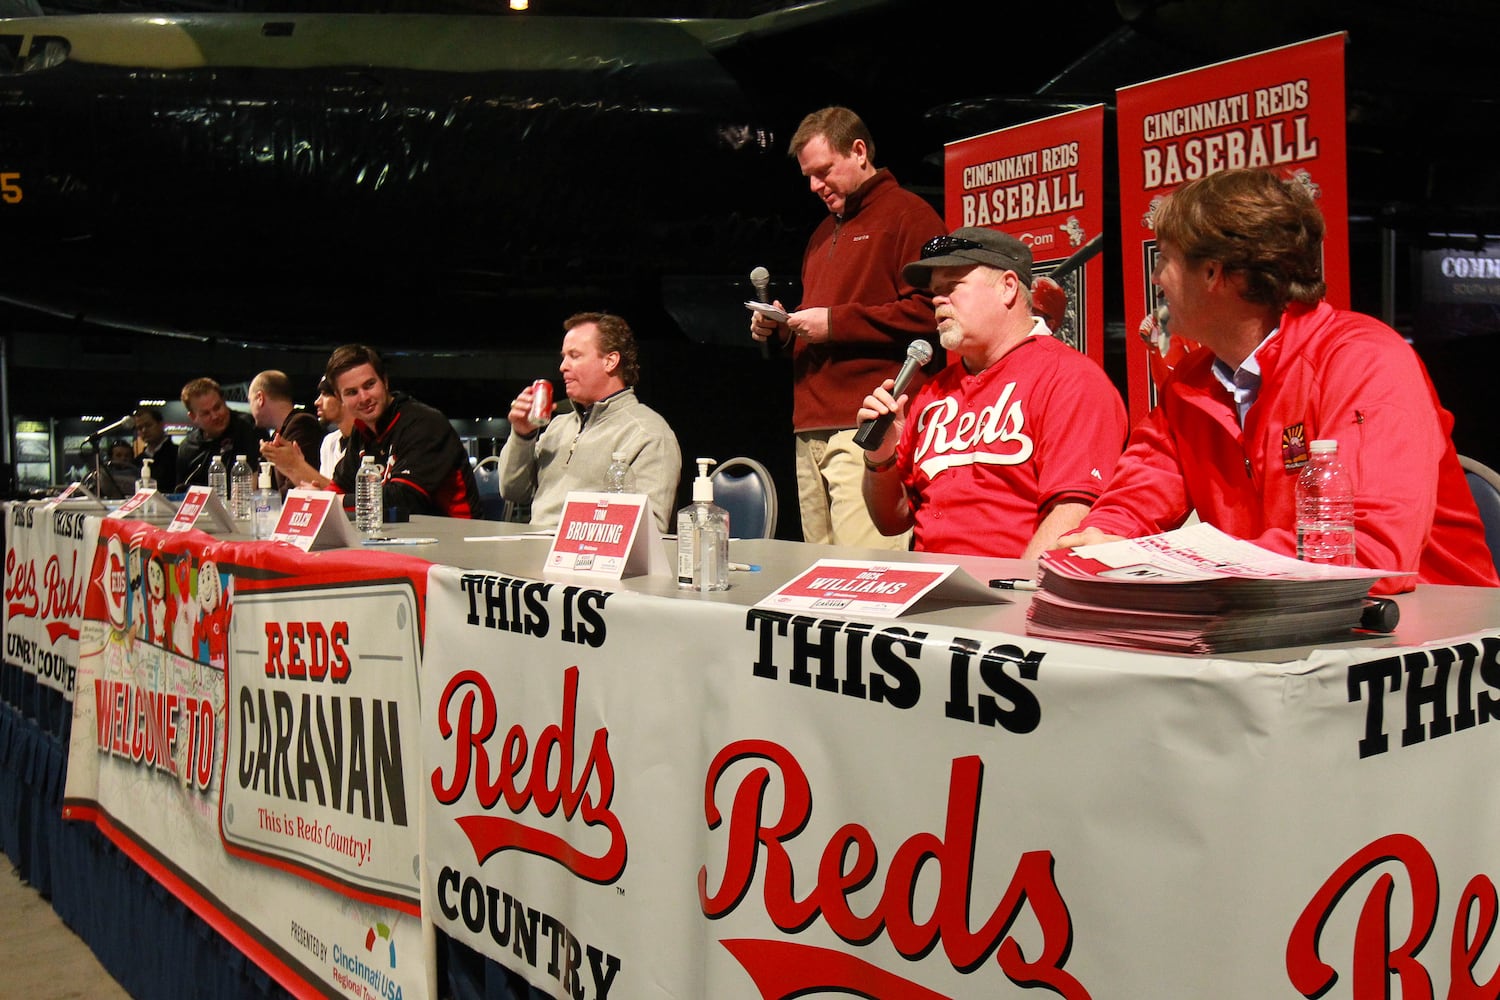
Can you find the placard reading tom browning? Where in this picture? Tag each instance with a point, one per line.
(1282, 110)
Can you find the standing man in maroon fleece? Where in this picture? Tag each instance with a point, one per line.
(855, 321)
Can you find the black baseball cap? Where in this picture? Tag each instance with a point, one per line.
(966, 247)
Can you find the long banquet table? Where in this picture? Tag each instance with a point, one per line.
(622, 789)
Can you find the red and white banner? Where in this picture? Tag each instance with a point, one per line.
(246, 730)
(1042, 182)
(775, 804)
(47, 552)
(1281, 110)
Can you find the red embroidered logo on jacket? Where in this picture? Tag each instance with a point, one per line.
(1294, 452)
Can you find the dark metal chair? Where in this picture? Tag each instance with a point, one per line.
(492, 506)
(743, 487)
(1484, 483)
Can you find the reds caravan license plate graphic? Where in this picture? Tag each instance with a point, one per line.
(322, 698)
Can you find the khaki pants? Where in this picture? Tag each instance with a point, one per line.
(830, 469)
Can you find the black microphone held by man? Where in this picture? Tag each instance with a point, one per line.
(872, 432)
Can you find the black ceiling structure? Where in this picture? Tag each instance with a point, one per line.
(235, 217)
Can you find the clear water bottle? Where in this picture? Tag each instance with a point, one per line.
(619, 478)
(369, 495)
(1325, 509)
(241, 490)
(218, 479)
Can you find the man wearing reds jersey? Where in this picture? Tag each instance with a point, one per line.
(1240, 266)
(1005, 449)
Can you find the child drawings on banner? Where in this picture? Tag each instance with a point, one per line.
(155, 601)
(211, 633)
(156, 707)
(170, 605)
(137, 595)
(184, 607)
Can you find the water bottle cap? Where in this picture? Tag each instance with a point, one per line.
(368, 460)
(618, 456)
(1322, 447)
(239, 458)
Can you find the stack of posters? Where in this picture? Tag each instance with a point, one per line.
(1194, 590)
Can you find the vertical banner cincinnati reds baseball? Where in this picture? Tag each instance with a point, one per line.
(246, 729)
(638, 796)
(1282, 110)
(1043, 183)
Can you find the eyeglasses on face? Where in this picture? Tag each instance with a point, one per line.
(939, 246)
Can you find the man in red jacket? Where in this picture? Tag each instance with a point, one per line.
(1240, 268)
(857, 317)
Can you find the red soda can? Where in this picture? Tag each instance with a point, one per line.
(541, 403)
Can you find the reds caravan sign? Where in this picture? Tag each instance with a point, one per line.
(322, 709)
(310, 674)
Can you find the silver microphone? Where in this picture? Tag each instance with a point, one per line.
(761, 279)
(872, 432)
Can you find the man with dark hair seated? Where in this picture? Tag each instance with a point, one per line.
(426, 468)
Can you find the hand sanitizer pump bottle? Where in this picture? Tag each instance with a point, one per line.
(267, 504)
(703, 538)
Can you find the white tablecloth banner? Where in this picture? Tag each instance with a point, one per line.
(632, 796)
(254, 764)
(47, 555)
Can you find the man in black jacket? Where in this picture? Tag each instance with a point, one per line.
(427, 470)
(272, 408)
(217, 430)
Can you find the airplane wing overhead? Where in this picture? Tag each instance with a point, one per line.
(234, 172)
(484, 158)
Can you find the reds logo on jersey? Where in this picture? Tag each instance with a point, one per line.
(993, 436)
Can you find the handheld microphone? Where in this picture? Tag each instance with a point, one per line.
(872, 432)
(761, 279)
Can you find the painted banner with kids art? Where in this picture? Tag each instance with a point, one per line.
(240, 731)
